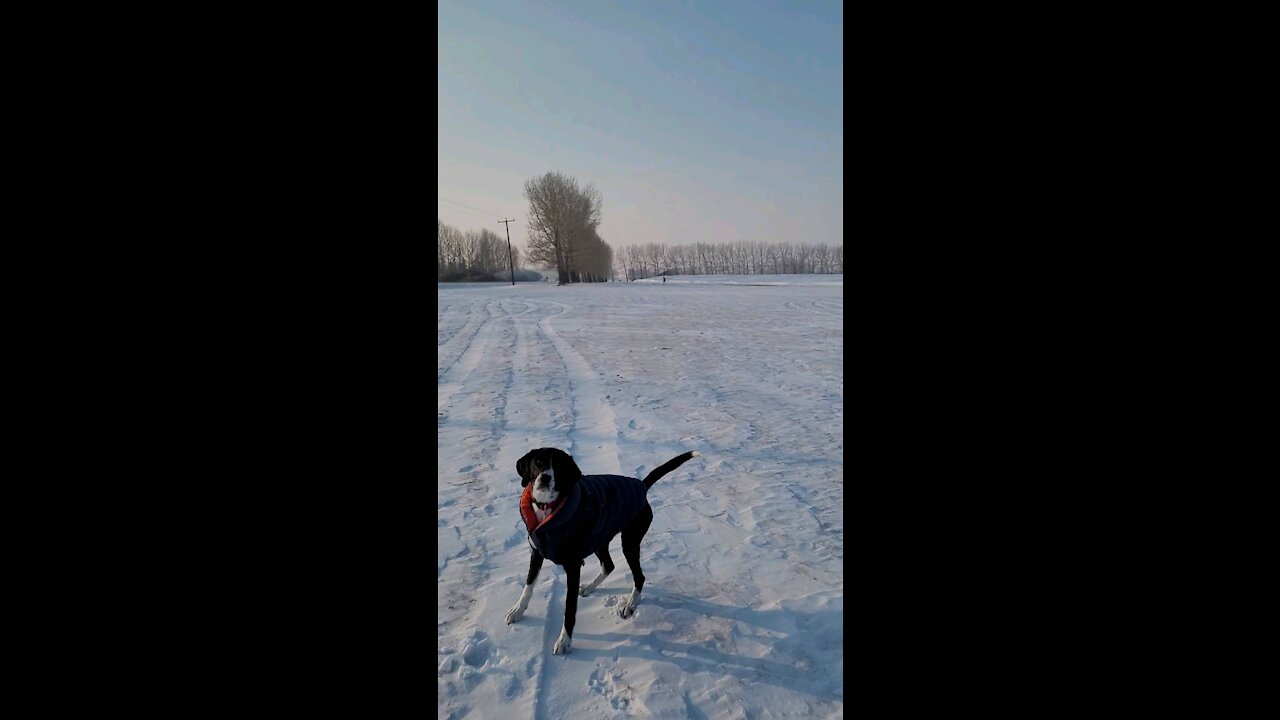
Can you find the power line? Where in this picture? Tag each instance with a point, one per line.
(486, 215)
(464, 205)
(455, 202)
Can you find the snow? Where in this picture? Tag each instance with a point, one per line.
(742, 614)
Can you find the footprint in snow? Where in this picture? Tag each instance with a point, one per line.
(478, 650)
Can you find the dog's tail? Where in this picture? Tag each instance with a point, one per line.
(667, 467)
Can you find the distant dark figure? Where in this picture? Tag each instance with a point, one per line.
(664, 280)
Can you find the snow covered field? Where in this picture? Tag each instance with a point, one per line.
(742, 612)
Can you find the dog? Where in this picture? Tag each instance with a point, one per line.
(570, 515)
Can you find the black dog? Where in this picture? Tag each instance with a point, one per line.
(570, 516)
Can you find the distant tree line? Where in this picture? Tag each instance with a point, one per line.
(738, 258)
(474, 255)
(563, 217)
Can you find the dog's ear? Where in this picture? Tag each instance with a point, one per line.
(522, 468)
(566, 469)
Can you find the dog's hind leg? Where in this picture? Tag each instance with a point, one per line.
(606, 567)
(631, 537)
(517, 612)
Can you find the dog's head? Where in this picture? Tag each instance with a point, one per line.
(552, 472)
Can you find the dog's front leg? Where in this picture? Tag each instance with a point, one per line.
(573, 574)
(517, 612)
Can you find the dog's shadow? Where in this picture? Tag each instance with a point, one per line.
(807, 630)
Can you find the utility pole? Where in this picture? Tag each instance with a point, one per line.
(510, 262)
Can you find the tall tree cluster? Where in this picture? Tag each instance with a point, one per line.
(563, 217)
(471, 255)
(739, 258)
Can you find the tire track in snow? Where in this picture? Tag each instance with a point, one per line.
(828, 310)
(484, 403)
(810, 310)
(527, 422)
(594, 433)
(593, 442)
(551, 631)
(465, 317)
(537, 392)
(445, 323)
(530, 421)
(475, 320)
(466, 585)
(448, 383)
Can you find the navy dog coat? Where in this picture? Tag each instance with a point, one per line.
(605, 502)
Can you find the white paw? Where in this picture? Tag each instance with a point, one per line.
(628, 607)
(562, 644)
(515, 614)
(585, 590)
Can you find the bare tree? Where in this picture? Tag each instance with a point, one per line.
(623, 259)
(592, 259)
(704, 258)
(787, 255)
(724, 256)
(803, 253)
(470, 255)
(441, 234)
(471, 249)
(741, 259)
(822, 254)
(563, 217)
(655, 257)
(734, 258)
(449, 251)
(678, 256)
(620, 262)
(545, 196)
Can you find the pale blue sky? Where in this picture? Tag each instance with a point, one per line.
(698, 121)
